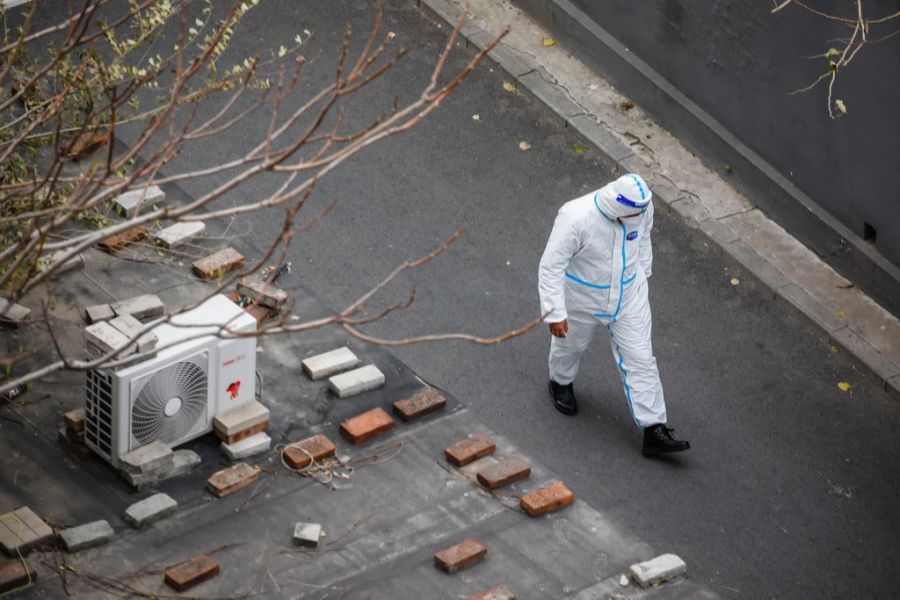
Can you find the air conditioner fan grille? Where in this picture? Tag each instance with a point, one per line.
(171, 402)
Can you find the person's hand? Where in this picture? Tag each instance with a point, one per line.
(559, 329)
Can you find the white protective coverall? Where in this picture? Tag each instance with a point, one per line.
(593, 272)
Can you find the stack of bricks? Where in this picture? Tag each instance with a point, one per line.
(243, 430)
(259, 297)
(71, 434)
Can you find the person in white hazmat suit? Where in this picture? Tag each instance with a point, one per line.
(594, 272)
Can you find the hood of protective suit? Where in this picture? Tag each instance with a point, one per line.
(627, 195)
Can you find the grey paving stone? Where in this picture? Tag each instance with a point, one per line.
(131, 327)
(12, 313)
(329, 363)
(21, 530)
(142, 307)
(307, 534)
(106, 338)
(150, 510)
(86, 536)
(262, 292)
(98, 312)
(356, 381)
(658, 570)
(55, 260)
(241, 417)
(251, 446)
(179, 233)
(146, 459)
(142, 199)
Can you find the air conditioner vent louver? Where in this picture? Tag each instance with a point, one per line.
(171, 401)
(98, 411)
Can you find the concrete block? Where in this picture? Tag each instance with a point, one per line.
(98, 312)
(307, 534)
(356, 381)
(131, 327)
(216, 265)
(501, 592)
(505, 472)
(16, 574)
(329, 363)
(117, 241)
(464, 451)
(179, 233)
(262, 293)
(86, 536)
(146, 306)
(241, 417)
(367, 425)
(191, 572)
(251, 446)
(57, 261)
(153, 457)
(547, 499)
(138, 200)
(152, 509)
(659, 570)
(462, 555)
(420, 404)
(298, 454)
(12, 313)
(74, 419)
(233, 479)
(185, 461)
(242, 434)
(21, 530)
(106, 338)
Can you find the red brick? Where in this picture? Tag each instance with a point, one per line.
(74, 419)
(15, 574)
(191, 572)
(505, 472)
(547, 499)
(259, 312)
(367, 425)
(117, 241)
(76, 437)
(420, 404)
(234, 296)
(466, 450)
(501, 592)
(242, 434)
(318, 446)
(464, 554)
(84, 143)
(216, 265)
(233, 479)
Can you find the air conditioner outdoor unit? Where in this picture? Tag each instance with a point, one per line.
(173, 396)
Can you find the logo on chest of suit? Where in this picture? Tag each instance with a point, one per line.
(632, 236)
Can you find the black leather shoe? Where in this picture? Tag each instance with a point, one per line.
(658, 440)
(563, 398)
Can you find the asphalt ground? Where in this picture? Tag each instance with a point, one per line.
(790, 488)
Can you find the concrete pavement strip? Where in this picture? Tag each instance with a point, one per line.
(632, 141)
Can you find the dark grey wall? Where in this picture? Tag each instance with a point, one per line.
(737, 62)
